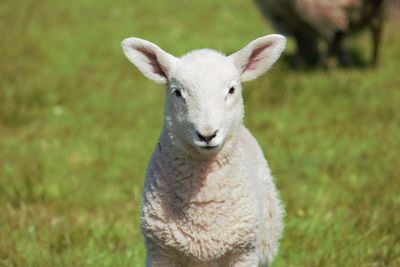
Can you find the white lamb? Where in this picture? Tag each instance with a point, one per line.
(209, 198)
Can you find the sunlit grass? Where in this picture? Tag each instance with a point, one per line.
(78, 123)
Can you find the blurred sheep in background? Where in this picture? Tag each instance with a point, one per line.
(393, 9)
(330, 20)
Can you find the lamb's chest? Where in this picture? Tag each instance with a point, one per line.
(208, 226)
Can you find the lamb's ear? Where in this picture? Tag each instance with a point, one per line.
(258, 56)
(150, 59)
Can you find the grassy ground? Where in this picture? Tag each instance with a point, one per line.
(78, 124)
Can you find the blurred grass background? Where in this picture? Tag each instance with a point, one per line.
(78, 123)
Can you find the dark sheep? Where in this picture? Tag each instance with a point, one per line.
(331, 20)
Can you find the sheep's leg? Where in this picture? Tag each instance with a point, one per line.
(336, 49)
(376, 36)
(307, 50)
(376, 29)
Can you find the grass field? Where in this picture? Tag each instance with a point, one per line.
(78, 123)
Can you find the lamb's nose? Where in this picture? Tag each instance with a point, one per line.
(206, 138)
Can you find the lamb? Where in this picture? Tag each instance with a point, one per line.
(209, 198)
(331, 20)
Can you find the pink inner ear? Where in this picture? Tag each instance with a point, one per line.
(254, 59)
(153, 61)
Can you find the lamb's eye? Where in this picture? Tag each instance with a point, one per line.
(177, 93)
(232, 90)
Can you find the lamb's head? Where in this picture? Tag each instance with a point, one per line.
(204, 104)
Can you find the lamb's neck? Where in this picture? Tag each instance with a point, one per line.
(188, 178)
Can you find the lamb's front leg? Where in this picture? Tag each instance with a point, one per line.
(248, 259)
(158, 261)
(157, 257)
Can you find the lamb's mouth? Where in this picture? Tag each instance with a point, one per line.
(208, 148)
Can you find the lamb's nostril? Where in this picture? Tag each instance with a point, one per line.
(206, 138)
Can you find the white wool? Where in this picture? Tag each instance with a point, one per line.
(209, 197)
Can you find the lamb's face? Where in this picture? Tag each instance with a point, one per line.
(204, 104)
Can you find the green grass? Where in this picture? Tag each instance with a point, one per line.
(78, 123)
